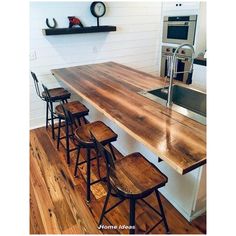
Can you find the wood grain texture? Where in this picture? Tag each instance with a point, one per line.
(103, 133)
(135, 180)
(57, 94)
(36, 224)
(112, 89)
(44, 201)
(59, 207)
(76, 108)
(46, 216)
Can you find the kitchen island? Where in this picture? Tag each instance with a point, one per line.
(111, 89)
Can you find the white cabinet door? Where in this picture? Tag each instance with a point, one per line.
(199, 77)
(180, 8)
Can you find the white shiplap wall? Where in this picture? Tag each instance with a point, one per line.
(135, 43)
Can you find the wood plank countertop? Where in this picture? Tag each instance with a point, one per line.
(112, 89)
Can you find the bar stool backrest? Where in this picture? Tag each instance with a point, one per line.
(36, 84)
(104, 152)
(48, 97)
(68, 115)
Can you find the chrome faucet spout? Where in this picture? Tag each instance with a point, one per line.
(172, 70)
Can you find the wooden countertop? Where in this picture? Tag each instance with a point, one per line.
(112, 89)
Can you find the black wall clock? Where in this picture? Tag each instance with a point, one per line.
(98, 9)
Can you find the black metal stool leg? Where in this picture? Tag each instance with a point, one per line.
(67, 144)
(112, 151)
(46, 115)
(59, 133)
(77, 162)
(79, 121)
(85, 121)
(104, 207)
(98, 163)
(162, 211)
(52, 121)
(132, 216)
(88, 175)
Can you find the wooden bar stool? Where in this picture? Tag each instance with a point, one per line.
(56, 95)
(132, 178)
(82, 135)
(82, 139)
(78, 111)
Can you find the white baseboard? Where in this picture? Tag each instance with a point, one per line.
(185, 214)
(188, 216)
(198, 213)
(37, 126)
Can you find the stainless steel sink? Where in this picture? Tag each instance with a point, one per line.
(189, 102)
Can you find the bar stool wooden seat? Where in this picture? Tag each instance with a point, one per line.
(56, 95)
(132, 178)
(77, 111)
(76, 108)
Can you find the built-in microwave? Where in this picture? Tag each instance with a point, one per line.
(179, 29)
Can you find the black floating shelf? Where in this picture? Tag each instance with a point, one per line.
(91, 29)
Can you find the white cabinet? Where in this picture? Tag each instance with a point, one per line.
(180, 8)
(199, 77)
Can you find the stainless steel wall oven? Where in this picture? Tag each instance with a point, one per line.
(179, 29)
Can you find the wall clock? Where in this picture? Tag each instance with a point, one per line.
(98, 9)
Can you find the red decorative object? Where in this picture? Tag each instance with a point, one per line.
(74, 21)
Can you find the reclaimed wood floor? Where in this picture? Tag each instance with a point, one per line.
(57, 199)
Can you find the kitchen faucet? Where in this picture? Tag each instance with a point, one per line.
(173, 72)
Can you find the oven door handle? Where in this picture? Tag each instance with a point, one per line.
(182, 59)
(178, 23)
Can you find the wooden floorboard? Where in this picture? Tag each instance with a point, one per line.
(57, 199)
(36, 224)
